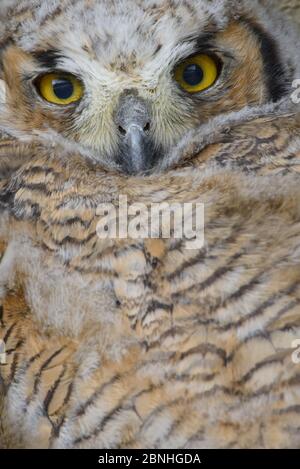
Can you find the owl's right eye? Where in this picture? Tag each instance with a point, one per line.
(59, 88)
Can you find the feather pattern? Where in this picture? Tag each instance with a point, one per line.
(142, 342)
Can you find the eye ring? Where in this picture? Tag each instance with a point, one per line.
(59, 88)
(197, 73)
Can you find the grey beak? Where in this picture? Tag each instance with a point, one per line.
(133, 120)
(135, 146)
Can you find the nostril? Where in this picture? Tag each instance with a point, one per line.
(147, 127)
(122, 130)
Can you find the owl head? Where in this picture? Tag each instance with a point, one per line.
(128, 79)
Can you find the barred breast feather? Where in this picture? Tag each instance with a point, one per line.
(144, 343)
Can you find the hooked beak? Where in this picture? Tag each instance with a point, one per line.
(137, 152)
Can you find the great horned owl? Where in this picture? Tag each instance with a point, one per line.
(143, 342)
(129, 79)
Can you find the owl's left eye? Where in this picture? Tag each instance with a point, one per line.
(60, 88)
(197, 73)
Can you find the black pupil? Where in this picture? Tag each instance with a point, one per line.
(63, 88)
(193, 74)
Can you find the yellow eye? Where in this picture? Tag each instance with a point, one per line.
(197, 73)
(58, 88)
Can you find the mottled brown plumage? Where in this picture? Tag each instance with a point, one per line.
(198, 342)
(143, 343)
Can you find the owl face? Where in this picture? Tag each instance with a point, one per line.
(128, 79)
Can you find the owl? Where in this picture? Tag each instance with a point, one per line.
(149, 341)
(128, 80)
